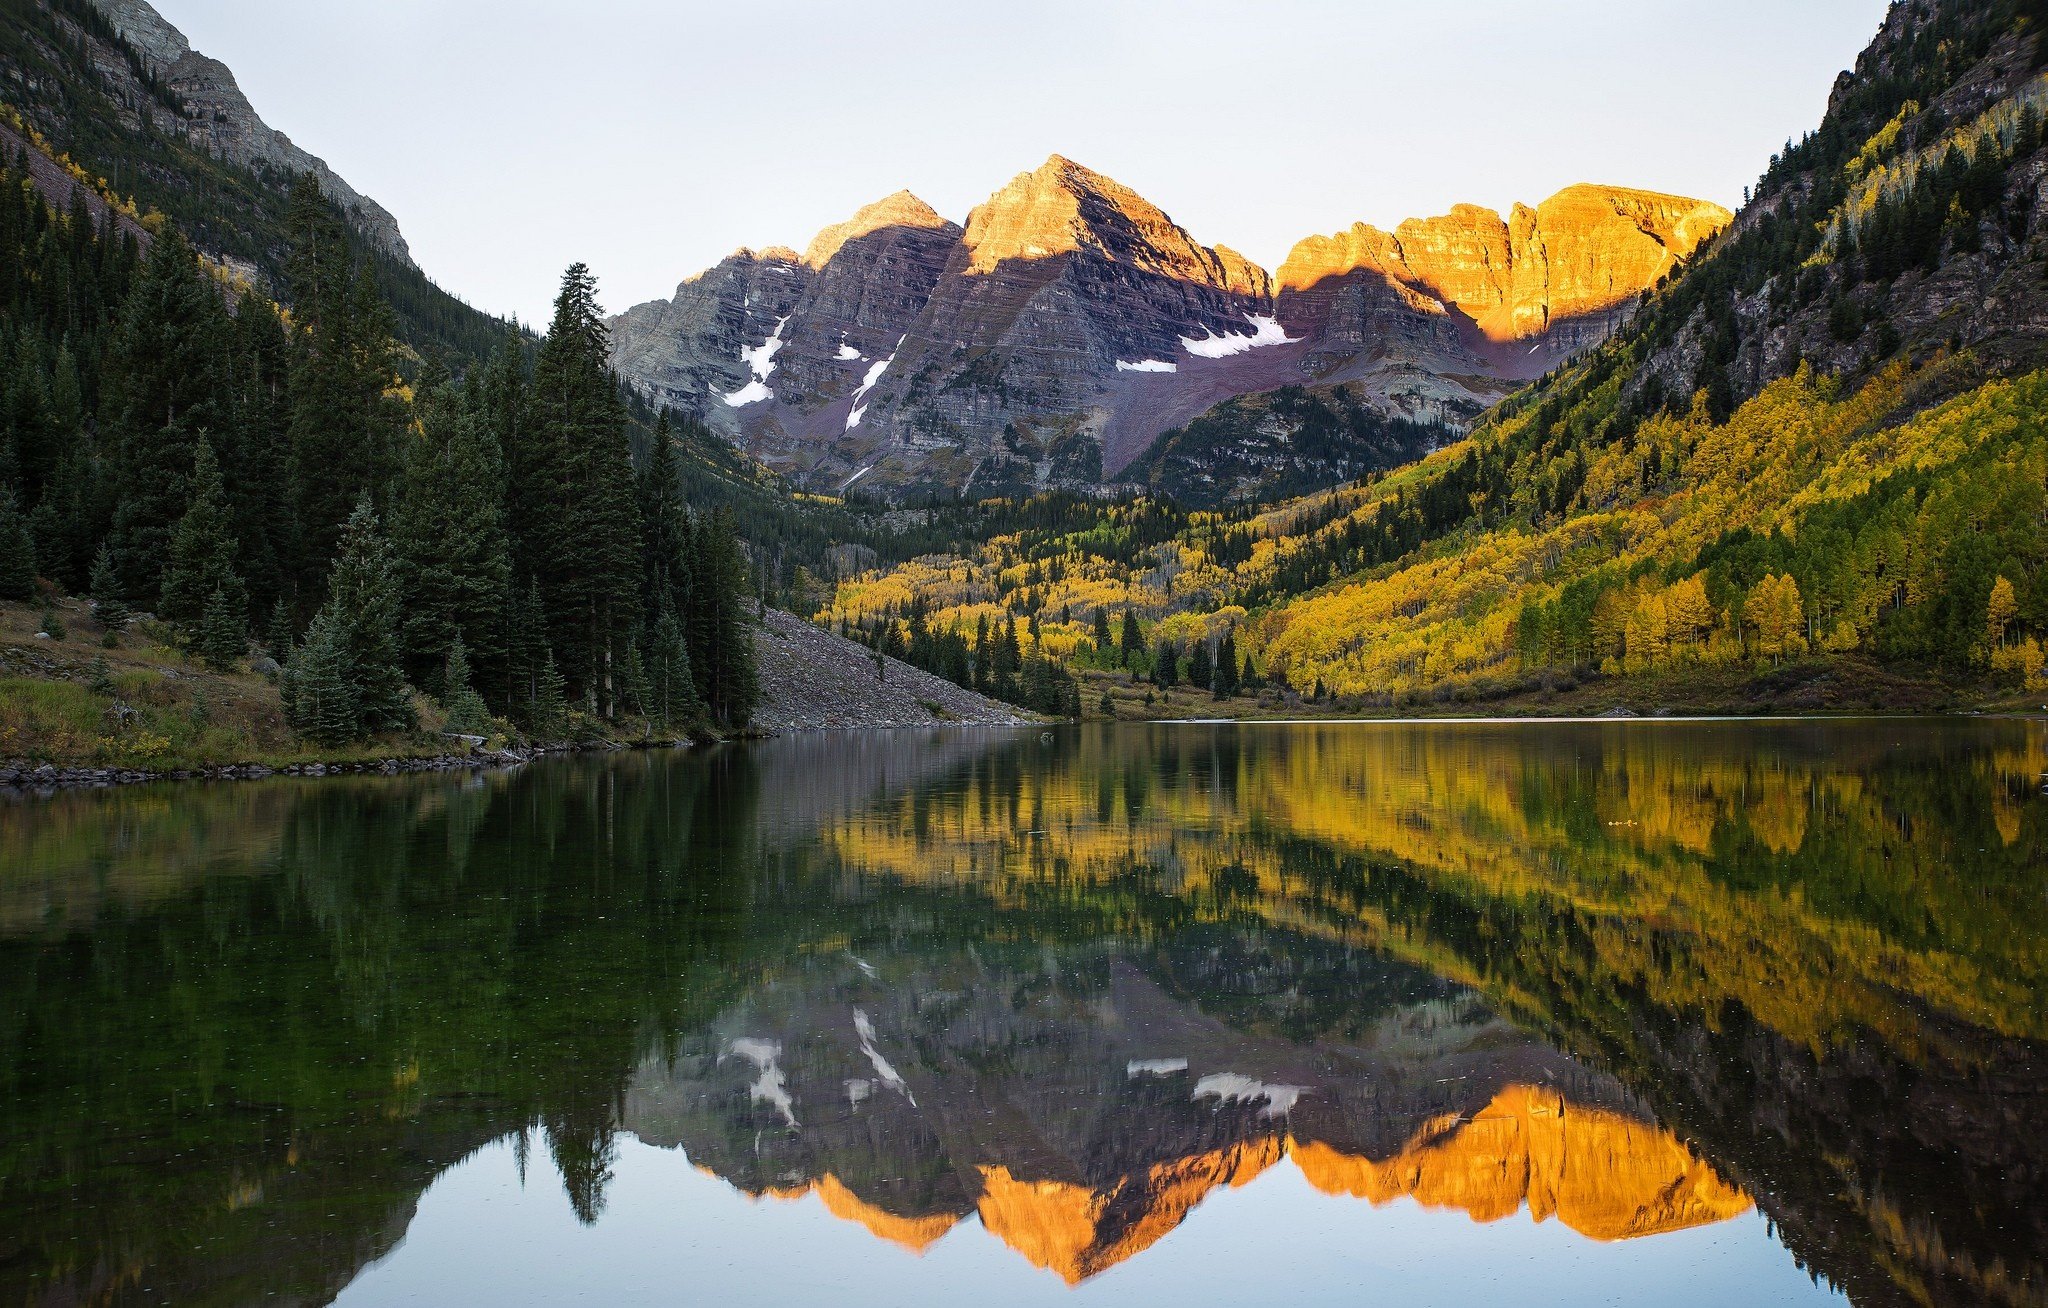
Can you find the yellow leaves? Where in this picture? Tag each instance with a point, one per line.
(1689, 613)
(2001, 609)
(2022, 661)
(1775, 617)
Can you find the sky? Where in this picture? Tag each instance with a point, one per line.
(650, 138)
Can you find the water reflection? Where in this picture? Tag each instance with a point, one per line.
(1621, 980)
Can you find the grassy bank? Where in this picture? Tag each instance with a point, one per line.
(71, 699)
(1818, 685)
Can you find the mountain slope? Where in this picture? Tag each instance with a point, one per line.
(118, 91)
(1054, 339)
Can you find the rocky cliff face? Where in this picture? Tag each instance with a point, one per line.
(1442, 314)
(1071, 322)
(219, 118)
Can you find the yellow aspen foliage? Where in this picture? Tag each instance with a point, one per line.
(2003, 608)
(1688, 612)
(1775, 617)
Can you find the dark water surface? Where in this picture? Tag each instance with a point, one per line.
(1712, 1013)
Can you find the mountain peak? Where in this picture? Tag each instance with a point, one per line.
(1063, 206)
(901, 209)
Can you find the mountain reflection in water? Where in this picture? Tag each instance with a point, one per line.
(1629, 979)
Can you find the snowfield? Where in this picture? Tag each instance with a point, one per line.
(1265, 331)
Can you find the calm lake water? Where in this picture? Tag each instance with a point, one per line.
(1634, 1013)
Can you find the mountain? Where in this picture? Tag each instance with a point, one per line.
(1054, 339)
(1808, 471)
(107, 92)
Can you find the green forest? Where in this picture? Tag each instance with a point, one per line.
(178, 445)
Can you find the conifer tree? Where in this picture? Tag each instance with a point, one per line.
(319, 692)
(1133, 643)
(17, 551)
(107, 604)
(202, 559)
(575, 505)
(666, 564)
(721, 625)
(1226, 675)
(344, 418)
(281, 635)
(1201, 667)
(549, 710)
(467, 713)
(357, 642)
(448, 537)
(223, 635)
(671, 688)
(164, 383)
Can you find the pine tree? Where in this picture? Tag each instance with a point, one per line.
(164, 375)
(319, 692)
(17, 551)
(1201, 667)
(223, 635)
(1133, 643)
(575, 505)
(672, 689)
(1226, 675)
(1102, 636)
(666, 564)
(107, 604)
(1166, 665)
(721, 627)
(467, 713)
(357, 643)
(549, 710)
(202, 560)
(449, 541)
(281, 635)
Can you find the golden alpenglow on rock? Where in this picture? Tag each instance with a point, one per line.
(1063, 207)
(1575, 261)
(899, 210)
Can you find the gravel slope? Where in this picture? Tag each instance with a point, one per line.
(813, 680)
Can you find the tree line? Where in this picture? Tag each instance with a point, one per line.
(173, 442)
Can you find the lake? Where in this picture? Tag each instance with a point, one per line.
(1427, 1013)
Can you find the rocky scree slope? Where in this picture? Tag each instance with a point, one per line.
(813, 680)
(1051, 340)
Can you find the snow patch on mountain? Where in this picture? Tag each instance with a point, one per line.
(867, 384)
(1266, 330)
(760, 361)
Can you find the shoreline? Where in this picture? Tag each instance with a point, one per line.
(23, 777)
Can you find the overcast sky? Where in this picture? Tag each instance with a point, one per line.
(649, 138)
